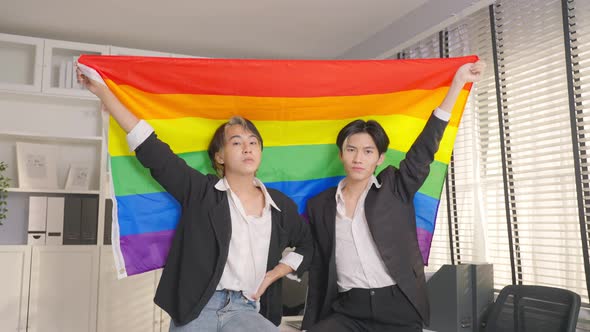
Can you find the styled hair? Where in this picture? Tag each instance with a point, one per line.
(371, 127)
(218, 140)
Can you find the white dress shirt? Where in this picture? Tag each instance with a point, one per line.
(248, 248)
(358, 262)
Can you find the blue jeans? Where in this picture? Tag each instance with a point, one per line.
(228, 311)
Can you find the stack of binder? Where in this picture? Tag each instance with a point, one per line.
(62, 220)
(80, 220)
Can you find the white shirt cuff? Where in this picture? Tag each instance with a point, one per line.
(292, 259)
(139, 134)
(443, 115)
(90, 73)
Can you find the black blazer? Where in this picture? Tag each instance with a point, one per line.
(392, 221)
(200, 245)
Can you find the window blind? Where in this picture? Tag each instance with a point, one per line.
(486, 167)
(577, 15)
(540, 178)
(462, 174)
(513, 176)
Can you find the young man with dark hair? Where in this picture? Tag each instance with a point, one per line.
(367, 273)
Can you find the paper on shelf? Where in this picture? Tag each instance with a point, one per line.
(69, 69)
(62, 75)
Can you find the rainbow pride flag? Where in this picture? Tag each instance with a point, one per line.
(298, 105)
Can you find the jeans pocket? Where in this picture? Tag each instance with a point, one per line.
(253, 304)
(250, 304)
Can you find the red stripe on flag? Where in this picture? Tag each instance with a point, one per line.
(276, 78)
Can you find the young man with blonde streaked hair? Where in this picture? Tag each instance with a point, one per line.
(224, 266)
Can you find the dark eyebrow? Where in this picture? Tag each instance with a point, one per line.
(365, 148)
(240, 136)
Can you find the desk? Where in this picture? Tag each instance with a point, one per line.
(284, 327)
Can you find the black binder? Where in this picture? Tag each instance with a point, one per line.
(108, 221)
(89, 220)
(72, 213)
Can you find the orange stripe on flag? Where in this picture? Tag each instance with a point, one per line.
(414, 103)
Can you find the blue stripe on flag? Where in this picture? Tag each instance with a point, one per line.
(156, 212)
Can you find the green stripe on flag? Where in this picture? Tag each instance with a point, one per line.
(278, 164)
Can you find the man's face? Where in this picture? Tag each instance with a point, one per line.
(241, 153)
(360, 156)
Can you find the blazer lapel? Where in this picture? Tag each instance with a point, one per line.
(329, 223)
(220, 219)
(379, 223)
(370, 208)
(273, 248)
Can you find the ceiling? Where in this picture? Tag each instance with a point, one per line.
(320, 29)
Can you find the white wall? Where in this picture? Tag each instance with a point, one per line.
(427, 19)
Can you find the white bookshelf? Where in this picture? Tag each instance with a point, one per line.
(22, 63)
(68, 152)
(34, 108)
(58, 61)
(63, 289)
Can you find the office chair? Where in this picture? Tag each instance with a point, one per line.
(534, 309)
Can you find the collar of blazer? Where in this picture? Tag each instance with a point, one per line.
(328, 219)
(220, 219)
(328, 206)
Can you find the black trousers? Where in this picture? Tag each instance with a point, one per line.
(371, 310)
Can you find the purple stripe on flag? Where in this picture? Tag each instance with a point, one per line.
(424, 241)
(146, 252)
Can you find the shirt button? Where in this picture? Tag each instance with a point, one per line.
(372, 292)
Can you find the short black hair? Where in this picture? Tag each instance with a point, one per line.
(218, 140)
(371, 127)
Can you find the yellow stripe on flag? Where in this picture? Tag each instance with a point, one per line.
(194, 134)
